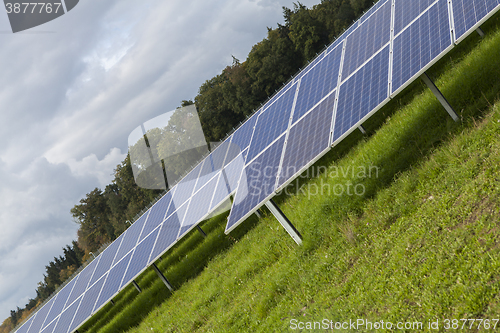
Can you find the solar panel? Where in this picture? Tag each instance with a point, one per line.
(168, 233)
(272, 122)
(82, 282)
(221, 192)
(131, 236)
(232, 172)
(140, 258)
(260, 177)
(62, 297)
(307, 140)
(371, 11)
(309, 66)
(361, 94)
(113, 281)
(241, 138)
(418, 45)
(106, 259)
(50, 328)
(318, 82)
(186, 186)
(368, 38)
(408, 10)
(87, 304)
(467, 13)
(199, 207)
(156, 215)
(40, 317)
(66, 317)
(342, 37)
(25, 327)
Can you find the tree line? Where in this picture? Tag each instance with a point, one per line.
(222, 103)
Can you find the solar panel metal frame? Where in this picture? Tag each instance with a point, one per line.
(475, 26)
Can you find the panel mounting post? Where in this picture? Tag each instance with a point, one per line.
(439, 96)
(480, 32)
(137, 286)
(201, 231)
(285, 222)
(362, 129)
(163, 278)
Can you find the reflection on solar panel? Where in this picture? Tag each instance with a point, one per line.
(335, 93)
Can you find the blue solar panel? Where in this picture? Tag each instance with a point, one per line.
(342, 37)
(221, 192)
(420, 43)
(272, 122)
(408, 10)
(370, 37)
(62, 297)
(87, 304)
(50, 328)
(106, 259)
(241, 138)
(259, 178)
(140, 257)
(186, 186)
(307, 139)
(372, 10)
(156, 215)
(168, 233)
(309, 66)
(199, 207)
(467, 13)
(24, 328)
(362, 93)
(131, 236)
(113, 281)
(66, 317)
(233, 171)
(40, 317)
(317, 83)
(82, 282)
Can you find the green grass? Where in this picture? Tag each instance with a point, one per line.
(422, 242)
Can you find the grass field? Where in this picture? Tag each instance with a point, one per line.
(419, 242)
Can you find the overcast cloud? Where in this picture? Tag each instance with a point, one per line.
(73, 89)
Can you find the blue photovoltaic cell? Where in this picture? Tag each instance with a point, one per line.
(317, 83)
(61, 299)
(213, 163)
(171, 207)
(467, 13)
(362, 93)
(186, 186)
(420, 43)
(40, 317)
(256, 184)
(221, 192)
(168, 233)
(233, 172)
(342, 37)
(272, 123)
(370, 37)
(372, 10)
(24, 328)
(130, 239)
(113, 281)
(87, 304)
(66, 318)
(49, 328)
(408, 10)
(199, 207)
(140, 257)
(156, 215)
(310, 66)
(106, 259)
(241, 138)
(307, 139)
(82, 282)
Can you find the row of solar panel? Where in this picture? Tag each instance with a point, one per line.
(387, 49)
(285, 136)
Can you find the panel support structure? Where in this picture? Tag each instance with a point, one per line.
(480, 32)
(163, 278)
(439, 96)
(201, 231)
(137, 286)
(362, 129)
(285, 222)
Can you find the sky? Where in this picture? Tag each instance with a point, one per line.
(73, 89)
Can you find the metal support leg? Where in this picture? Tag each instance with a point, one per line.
(162, 277)
(112, 302)
(362, 129)
(480, 32)
(258, 213)
(439, 96)
(285, 222)
(201, 231)
(137, 286)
